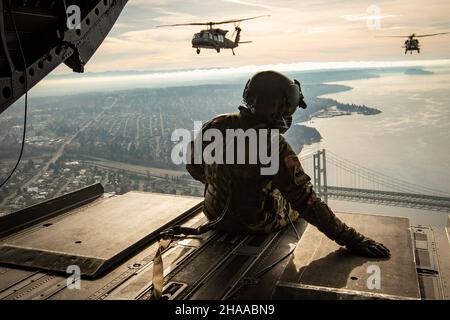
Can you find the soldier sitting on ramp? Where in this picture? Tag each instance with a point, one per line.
(257, 203)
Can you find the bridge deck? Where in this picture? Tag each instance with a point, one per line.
(411, 200)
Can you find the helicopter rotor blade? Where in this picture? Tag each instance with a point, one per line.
(392, 36)
(184, 24)
(431, 34)
(211, 23)
(415, 35)
(240, 20)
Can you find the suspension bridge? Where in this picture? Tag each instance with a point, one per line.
(340, 179)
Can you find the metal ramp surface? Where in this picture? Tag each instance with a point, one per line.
(96, 236)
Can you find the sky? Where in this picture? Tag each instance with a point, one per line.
(298, 35)
(297, 32)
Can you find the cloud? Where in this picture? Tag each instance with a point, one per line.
(148, 4)
(172, 17)
(366, 17)
(322, 29)
(251, 4)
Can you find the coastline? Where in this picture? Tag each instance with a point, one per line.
(408, 140)
(321, 106)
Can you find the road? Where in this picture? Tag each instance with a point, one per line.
(154, 172)
(57, 154)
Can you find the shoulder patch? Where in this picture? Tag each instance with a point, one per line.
(291, 161)
(223, 121)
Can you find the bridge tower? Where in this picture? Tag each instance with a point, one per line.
(320, 174)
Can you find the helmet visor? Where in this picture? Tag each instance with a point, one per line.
(295, 97)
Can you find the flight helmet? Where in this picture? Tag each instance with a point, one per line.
(273, 98)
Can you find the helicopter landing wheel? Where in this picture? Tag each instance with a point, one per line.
(218, 50)
(198, 51)
(233, 52)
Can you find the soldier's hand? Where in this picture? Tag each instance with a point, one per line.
(369, 248)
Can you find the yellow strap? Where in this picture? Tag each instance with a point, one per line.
(158, 269)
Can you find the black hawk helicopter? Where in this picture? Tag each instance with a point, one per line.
(215, 38)
(412, 43)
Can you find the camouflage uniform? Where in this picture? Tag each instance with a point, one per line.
(260, 204)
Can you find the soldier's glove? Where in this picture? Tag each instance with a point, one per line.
(319, 214)
(368, 248)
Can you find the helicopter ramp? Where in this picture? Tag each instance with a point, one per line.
(118, 244)
(321, 269)
(97, 235)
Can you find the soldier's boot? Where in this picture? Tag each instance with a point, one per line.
(320, 215)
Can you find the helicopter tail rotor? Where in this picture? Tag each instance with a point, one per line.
(237, 32)
(236, 28)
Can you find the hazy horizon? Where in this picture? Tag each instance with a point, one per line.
(114, 80)
(298, 36)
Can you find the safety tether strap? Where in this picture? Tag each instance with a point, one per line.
(158, 269)
(179, 232)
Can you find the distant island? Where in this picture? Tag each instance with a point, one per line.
(333, 108)
(320, 107)
(418, 71)
(300, 135)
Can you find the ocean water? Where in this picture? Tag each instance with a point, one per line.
(409, 140)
